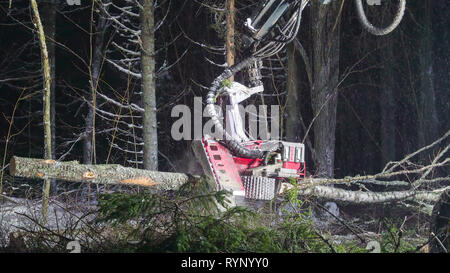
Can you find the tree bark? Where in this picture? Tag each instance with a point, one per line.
(292, 125)
(150, 130)
(47, 102)
(428, 120)
(230, 44)
(118, 175)
(387, 103)
(97, 174)
(48, 15)
(358, 197)
(96, 64)
(325, 36)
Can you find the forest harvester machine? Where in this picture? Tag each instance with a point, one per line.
(249, 168)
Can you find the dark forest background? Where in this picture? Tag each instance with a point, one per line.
(392, 95)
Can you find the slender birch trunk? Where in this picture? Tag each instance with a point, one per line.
(96, 62)
(387, 103)
(47, 102)
(104, 174)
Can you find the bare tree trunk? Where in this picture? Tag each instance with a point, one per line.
(358, 197)
(47, 102)
(149, 85)
(292, 125)
(325, 35)
(48, 13)
(96, 64)
(428, 120)
(387, 102)
(230, 45)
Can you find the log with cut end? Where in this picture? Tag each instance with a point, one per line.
(360, 197)
(98, 174)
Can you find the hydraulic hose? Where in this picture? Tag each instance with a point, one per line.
(375, 30)
(234, 146)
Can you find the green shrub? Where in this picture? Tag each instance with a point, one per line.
(191, 221)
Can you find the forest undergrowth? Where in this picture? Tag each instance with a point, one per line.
(195, 219)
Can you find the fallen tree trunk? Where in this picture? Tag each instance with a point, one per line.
(117, 174)
(360, 197)
(98, 174)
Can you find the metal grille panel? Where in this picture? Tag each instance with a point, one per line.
(259, 188)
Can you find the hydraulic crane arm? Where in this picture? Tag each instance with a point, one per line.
(273, 25)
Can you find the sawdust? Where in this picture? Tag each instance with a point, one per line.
(141, 181)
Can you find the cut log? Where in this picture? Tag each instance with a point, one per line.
(119, 175)
(359, 197)
(98, 174)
